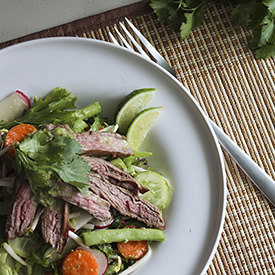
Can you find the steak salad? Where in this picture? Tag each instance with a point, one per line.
(76, 196)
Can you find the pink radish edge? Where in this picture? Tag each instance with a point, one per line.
(25, 97)
(101, 225)
(101, 259)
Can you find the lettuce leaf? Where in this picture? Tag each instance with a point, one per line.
(8, 266)
(24, 246)
(32, 250)
(57, 107)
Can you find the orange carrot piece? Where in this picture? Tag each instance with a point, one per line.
(16, 134)
(132, 249)
(80, 261)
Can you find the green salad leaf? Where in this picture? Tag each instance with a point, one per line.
(32, 250)
(24, 246)
(258, 16)
(8, 266)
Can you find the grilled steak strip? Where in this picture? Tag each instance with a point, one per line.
(91, 203)
(114, 175)
(55, 226)
(99, 143)
(22, 212)
(103, 144)
(127, 203)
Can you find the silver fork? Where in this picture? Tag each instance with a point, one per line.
(264, 182)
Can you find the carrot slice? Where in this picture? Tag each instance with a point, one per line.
(132, 249)
(80, 261)
(16, 134)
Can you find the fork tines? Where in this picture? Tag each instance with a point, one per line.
(147, 45)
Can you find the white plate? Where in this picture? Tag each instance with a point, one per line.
(185, 148)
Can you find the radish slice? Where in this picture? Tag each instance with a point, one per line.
(101, 259)
(100, 225)
(13, 106)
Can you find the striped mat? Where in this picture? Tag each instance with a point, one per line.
(238, 93)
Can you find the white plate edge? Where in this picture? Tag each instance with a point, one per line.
(184, 89)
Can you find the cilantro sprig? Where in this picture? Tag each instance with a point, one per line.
(258, 16)
(49, 157)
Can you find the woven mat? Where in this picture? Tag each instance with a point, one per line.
(238, 93)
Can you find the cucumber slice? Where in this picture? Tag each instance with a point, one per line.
(13, 106)
(158, 193)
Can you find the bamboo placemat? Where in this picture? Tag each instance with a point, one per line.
(238, 93)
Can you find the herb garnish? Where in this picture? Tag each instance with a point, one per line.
(258, 16)
(48, 157)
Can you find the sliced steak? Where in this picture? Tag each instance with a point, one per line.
(103, 144)
(114, 175)
(22, 212)
(99, 143)
(127, 203)
(55, 226)
(91, 203)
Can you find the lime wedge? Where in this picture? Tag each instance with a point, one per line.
(141, 125)
(131, 105)
(158, 193)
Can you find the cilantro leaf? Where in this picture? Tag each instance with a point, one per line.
(46, 158)
(266, 33)
(180, 15)
(75, 173)
(186, 26)
(257, 16)
(265, 51)
(243, 13)
(161, 8)
(40, 148)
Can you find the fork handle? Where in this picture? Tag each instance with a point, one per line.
(264, 182)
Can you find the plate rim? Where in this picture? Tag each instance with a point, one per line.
(184, 90)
